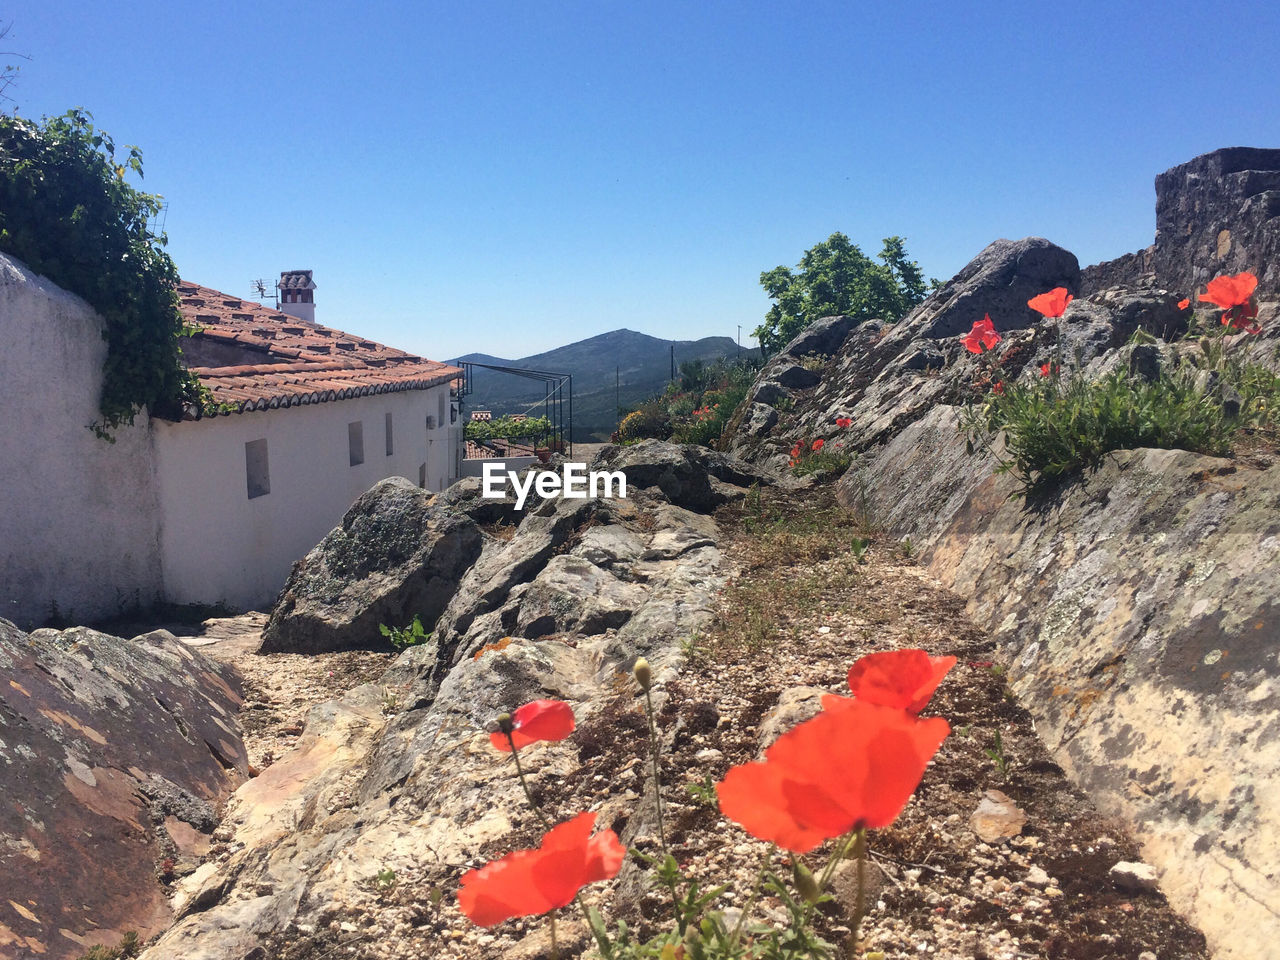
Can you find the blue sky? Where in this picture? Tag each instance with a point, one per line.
(508, 177)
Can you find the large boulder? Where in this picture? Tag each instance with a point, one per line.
(683, 473)
(113, 755)
(1218, 213)
(398, 553)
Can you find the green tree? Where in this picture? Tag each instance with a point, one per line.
(67, 211)
(836, 277)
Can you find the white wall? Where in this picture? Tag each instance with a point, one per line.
(79, 522)
(219, 546)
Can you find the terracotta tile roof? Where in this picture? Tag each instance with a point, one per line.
(283, 361)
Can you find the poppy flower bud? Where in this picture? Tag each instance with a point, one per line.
(505, 724)
(643, 672)
(806, 885)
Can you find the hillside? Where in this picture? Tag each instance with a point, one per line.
(621, 366)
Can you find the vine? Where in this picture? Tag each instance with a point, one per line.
(67, 212)
(507, 428)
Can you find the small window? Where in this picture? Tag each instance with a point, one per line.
(431, 422)
(440, 403)
(390, 444)
(422, 476)
(453, 413)
(256, 473)
(355, 442)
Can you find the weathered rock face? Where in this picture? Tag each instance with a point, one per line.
(400, 775)
(398, 553)
(1216, 214)
(112, 755)
(1137, 611)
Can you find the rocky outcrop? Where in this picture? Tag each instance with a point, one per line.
(400, 775)
(1216, 214)
(113, 754)
(397, 554)
(1137, 611)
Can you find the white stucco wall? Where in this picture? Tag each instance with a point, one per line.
(219, 546)
(79, 523)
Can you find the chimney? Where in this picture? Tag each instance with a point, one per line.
(296, 296)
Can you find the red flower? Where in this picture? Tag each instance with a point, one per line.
(1051, 304)
(539, 720)
(531, 882)
(817, 444)
(982, 336)
(1184, 303)
(998, 387)
(852, 767)
(904, 679)
(1235, 296)
(843, 422)
(1048, 368)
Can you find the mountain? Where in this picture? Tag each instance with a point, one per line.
(620, 367)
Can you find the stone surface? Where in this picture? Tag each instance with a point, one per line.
(794, 706)
(396, 554)
(1218, 213)
(1135, 877)
(682, 473)
(113, 754)
(997, 817)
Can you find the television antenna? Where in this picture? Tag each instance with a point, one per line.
(261, 288)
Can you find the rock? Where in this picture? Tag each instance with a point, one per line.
(759, 420)
(573, 595)
(823, 337)
(1134, 877)
(794, 376)
(844, 884)
(466, 496)
(109, 748)
(1136, 609)
(1037, 877)
(1217, 214)
(794, 706)
(682, 473)
(768, 392)
(398, 553)
(997, 817)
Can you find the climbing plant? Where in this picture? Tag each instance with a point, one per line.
(68, 212)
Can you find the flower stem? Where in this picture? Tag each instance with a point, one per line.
(860, 903)
(524, 784)
(657, 778)
(555, 946)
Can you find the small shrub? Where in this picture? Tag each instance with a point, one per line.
(410, 636)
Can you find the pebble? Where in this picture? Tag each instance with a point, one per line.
(1037, 877)
(1134, 876)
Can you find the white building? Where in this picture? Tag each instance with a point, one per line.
(210, 509)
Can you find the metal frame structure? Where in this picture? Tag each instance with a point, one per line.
(557, 403)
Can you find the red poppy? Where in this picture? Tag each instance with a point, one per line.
(1048, 368)
(843, 422)
(1184, 303)
(817, 444)
(1051, 304)
(904, 679)
(998, 387)
(539, 720)
(1235, 296)
(982, 336)
(531, 882)
(852, 767)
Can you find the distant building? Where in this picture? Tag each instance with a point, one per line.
(209, 509)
